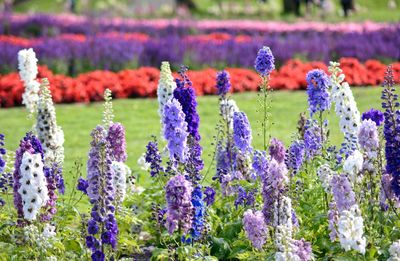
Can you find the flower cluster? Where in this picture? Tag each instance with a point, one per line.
(166, 86)
(394, 251)
(27, 65)
(374, 115)
(265, 61)
(255, 227)
(325, 175)
(368, 139)
(391, 130)
(2, 154)
(318, 91)
(175, 130)
(153, 157)
(49, 133)
(199, 212)
(295, 156)
(312, 139)
(101, 193)
(178, 193)
(223, 83)
(345, 108)
(242, 132)
(277, 150)
(108, 112)
(228, 108)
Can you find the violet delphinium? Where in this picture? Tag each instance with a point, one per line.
(209, 195)
(242, 132)
(255, 228)
(116, 139)
(277, 150)
(342, 192)
(296, 155)
(312, 139)
(273, 186)
(101, 193)
(223, 83)
(318, 91)
(391, 130)
(2, 154)
(178, 193)
(260, 163)
(303, 249)
(374, 115)
(175, 130)
(153, 157)
(82, 185)
(265, 61)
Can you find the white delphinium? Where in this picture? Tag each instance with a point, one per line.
(49, 133)
(27, 66)
(227, 108)
(166, 86)
(121, 172)
(325, 175)
(142, 163)
(353, 166)
(368, 138)
(394, 251)
(43, 241)
(351, 230)
(49, 231)
(33, 188)
(108, 112)
(346, 107)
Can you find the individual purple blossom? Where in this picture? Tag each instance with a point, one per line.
(342, 192)
(318, 91)
(255, 228)
(303, 249)
(265, 61)
(333, 219)
(51, 175)
(101, 191)
(116, 138)
(273, 186)
(223, 83)
(82, 185)
(178, 194)
(260, 163)
(30, 143)
(295, 156)
(374, 115)
(209, 195)
(277, 150)
(153, 157)
(391, 130)
(312, 140)
(175, 130)
(242, 131)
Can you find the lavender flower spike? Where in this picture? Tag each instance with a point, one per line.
(255, 228)
(265, 61)
(166, 86)
(317, 90)
(178, 194)
(242, 131)
(175, 130)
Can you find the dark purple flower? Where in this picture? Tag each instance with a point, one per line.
(98, 256)
(209, 193)
(93, 228)
(265, 61)
(82, 185)
(318, 91)
(92, 243)
(153, 157)
(116, 138)
(374, 115)
(295, 156)
(223, 83)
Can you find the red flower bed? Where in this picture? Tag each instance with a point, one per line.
(142, 82)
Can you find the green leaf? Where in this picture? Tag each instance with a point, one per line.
(220, 248)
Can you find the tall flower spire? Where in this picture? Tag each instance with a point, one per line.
(391, 129)
(27, 65)
(101, 193)
(108, 112)
(49, 133)
(166, 86)
(317, 90)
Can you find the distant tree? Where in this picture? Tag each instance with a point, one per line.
(187, 3)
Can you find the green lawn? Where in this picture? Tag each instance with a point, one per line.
(141, 120)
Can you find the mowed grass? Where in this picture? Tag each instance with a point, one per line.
(141, 120)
